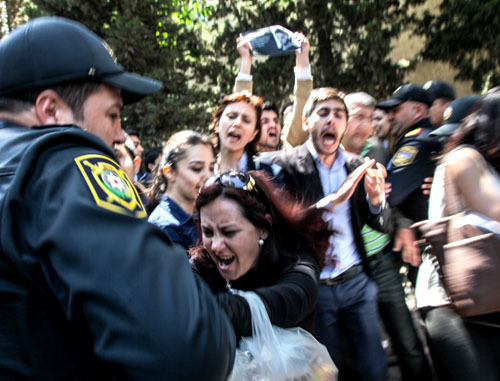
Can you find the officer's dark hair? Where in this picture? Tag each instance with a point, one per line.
(291, 225)
(445, 99)
(74, 93)
(481, 128)
(174, 150)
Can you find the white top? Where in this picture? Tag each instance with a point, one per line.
(342, 253)
(429, 291)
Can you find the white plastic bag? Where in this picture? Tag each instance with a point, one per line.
(278, 354)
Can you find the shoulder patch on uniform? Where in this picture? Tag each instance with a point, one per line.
(109, 185)
(414, 132)
(404, 156)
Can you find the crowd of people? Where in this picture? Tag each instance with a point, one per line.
(114, 268)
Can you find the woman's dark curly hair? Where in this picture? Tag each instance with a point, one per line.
(481, 128)
(292, 225)
(245, 97)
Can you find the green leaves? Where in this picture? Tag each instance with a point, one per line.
(467, 35)
(191, 47)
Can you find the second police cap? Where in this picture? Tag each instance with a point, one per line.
(439, 89)
(407, 92)
(51, 50)
(454, 114)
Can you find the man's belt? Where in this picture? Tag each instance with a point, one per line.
(351, 272)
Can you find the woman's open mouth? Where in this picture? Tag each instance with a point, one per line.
(233, 136)
(225, 261)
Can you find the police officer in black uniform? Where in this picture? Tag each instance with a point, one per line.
(413, 160)
(441, 94)
(453, 116)
(88, 289)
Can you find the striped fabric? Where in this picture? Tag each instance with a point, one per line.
(374, 240)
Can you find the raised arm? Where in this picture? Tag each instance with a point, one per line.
(243, 81)
(293, 134)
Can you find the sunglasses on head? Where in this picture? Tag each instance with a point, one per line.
(240, 180)
(233, 179)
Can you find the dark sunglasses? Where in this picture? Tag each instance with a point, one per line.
(233, 179)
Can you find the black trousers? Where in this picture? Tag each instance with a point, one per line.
(396, 317)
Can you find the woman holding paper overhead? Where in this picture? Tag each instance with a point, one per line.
(292, 133)
(237, 128)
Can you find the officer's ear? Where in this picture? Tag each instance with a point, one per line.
(51, 109)
(421, 111)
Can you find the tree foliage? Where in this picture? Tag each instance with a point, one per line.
(350, 42)
(155, 38)
(191, 47)
(467, 35)
(12, 15)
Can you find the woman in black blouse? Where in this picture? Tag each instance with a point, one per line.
(253, 237)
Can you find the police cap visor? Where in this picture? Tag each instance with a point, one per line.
(51, 50)
(407, 92)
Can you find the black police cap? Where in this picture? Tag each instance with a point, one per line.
(407, 92)
(454, 114)
(439, 89)
(51, 50)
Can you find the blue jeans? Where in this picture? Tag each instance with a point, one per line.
(349, 309)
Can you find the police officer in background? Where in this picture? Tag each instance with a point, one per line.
(453, 116)
(88, 289)
(441, 94)
(412, 161)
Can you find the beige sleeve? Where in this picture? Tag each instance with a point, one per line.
(240, 86)
(293, 134)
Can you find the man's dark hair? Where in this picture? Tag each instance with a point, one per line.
(270, 106)
(133, 133)
(74, 93)
(151, 157)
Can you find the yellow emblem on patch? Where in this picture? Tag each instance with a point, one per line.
(109, 185)
(405, 156)
(414, 132)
